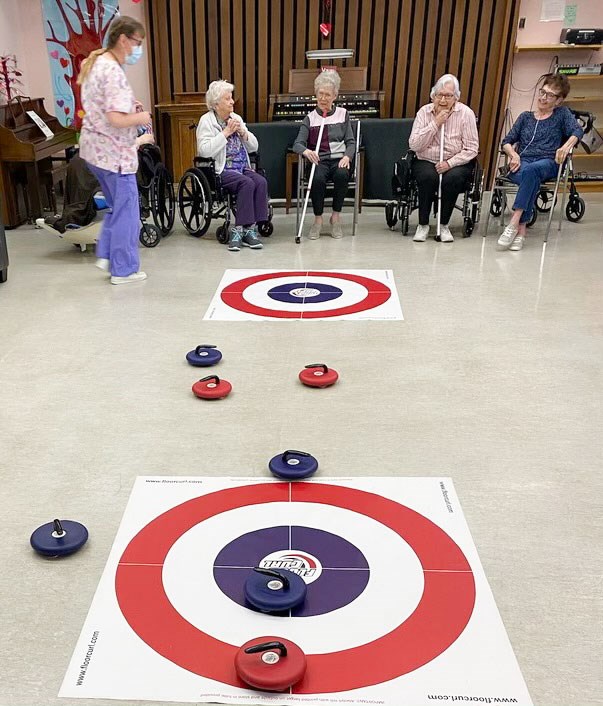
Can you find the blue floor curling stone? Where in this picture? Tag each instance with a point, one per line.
(274, 591)
(204, 355)
(59, 538)
(293, 465)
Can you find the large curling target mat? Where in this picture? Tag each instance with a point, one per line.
(247, 295)
(396, 605)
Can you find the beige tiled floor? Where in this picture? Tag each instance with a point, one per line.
(494, 378)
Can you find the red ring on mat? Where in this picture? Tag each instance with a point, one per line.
(377, 294)
(438, 620)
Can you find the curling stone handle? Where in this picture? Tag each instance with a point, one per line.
(275, 574)
(203, 346)
(265, 646)
(291, 452)
(325, 369)
(214, 378)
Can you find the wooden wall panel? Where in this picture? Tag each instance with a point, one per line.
(405, 45)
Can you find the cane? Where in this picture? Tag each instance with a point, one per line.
(440, 183)
(301, 222)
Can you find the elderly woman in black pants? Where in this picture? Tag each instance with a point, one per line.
(334, 154)
(461, 145)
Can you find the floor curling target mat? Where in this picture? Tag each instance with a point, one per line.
(319, 295)
(397, 608)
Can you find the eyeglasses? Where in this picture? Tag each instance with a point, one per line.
(445, 96)
(137, 40)
(548, 95)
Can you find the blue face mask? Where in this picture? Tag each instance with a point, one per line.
(134, 56)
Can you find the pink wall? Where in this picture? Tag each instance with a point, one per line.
(22, 33)
(11, 37)
(528, 66)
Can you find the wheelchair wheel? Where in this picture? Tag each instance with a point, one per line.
(222, 234)
(195, 202)
(575, 209)
(468, 227)
(391, 214)
(533, 218)
(404, 217)
(477, 195)
(544, 201)
(497, 203)
(162, 200)
(149, 235)
(265, 228)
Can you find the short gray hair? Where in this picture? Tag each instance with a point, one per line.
(327, 79)
(215, 91)
(441, 82)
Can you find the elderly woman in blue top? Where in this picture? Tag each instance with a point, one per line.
(538, 142)
(223, 135)
(334, 154)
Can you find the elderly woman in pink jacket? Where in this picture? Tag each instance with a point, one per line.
(461, 145)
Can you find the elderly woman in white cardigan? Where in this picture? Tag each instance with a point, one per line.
(222, 135)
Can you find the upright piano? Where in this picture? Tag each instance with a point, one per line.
(25, 157)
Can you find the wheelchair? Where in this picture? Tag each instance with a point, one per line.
(406, 193)
(156, 196)
(202, 198)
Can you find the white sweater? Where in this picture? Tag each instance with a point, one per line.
(212, 143)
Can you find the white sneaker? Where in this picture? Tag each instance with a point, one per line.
(421, 234)
(134, 277)
(517, 243)
(507, 236)
(102, 263)
(314, 233)
(336, 230)
(445, 234)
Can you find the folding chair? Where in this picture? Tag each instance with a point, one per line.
(302, 183)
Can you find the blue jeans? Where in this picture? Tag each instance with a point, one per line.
(118, 241)
(529, 177)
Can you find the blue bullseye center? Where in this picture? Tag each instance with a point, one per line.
(335, 571)
(304, 292)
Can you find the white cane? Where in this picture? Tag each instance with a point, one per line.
(301, 222)
(440, 182)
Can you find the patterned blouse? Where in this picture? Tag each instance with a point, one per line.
(236, 154)
(107, 90)
(540, 139)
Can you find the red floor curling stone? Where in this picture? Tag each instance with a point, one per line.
(59, 538)
(318, 375)
(204, 355)
(212, 388)
(274, 591)
(293, 465)
(270, 663)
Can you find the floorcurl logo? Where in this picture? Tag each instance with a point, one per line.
(301, 563)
